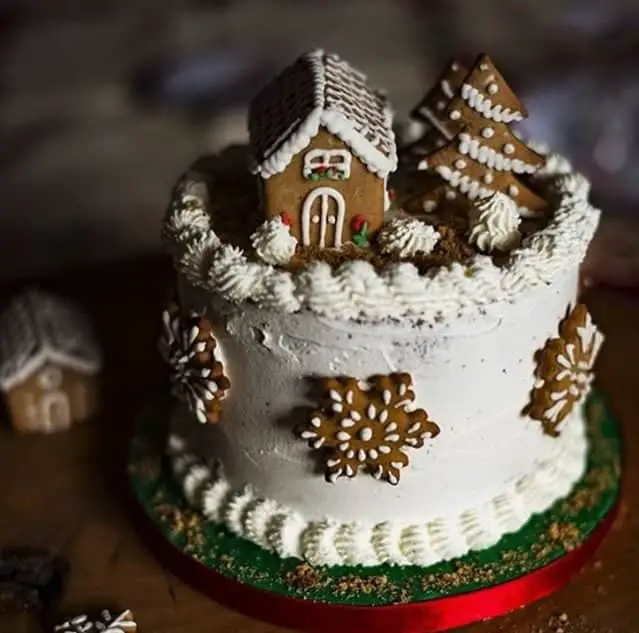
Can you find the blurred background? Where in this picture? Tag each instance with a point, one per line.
(104, 102)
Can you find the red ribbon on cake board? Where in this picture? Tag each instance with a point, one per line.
(417, 617)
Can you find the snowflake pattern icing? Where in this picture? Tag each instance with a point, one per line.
(564, 370)
(367, 428)
(196, 374)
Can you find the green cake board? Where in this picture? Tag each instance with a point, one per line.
(546, 537)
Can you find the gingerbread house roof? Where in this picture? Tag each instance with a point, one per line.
(35, 328)
(318, 90)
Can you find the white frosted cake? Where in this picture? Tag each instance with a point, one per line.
(379, 359)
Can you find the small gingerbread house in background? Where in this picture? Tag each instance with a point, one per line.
(49, 361)
(323, 146)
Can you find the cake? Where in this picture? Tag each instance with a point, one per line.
(377, 353)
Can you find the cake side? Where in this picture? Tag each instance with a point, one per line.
(485, 472)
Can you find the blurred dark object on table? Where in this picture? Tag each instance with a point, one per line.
(31, 580)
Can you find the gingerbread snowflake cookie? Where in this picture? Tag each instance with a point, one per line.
(196, 372)
(564, 370)
(368, 428)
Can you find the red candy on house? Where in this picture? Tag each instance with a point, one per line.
(392, 195)
(286, 218)
(357, 223)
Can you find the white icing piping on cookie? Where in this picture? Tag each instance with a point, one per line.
(482, 104)
(279, 529)
(492, 158)
(472, 188)
(355, 289)
(365, 148)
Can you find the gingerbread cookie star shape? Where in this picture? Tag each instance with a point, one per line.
(196, 373)
(564, 370)
(481, 154)
(367, 429)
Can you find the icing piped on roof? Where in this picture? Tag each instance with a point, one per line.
(37, 327)
(320, 90)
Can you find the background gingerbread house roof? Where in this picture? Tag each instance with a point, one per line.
(320, 90)
(37, 327)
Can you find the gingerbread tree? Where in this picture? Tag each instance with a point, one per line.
(431, 109)
(480, 154)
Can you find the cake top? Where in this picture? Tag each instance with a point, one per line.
(320, 89)
(474, 216)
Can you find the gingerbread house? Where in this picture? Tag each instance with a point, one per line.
(322, 145)
(49, 362)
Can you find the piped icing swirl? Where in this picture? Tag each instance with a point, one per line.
(494, 224)
(407, 236)
(355, 290)
(274, 243)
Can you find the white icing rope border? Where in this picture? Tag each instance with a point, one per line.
(355, 289)
(279, 529)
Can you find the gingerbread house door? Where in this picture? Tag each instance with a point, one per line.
(53, 402)
(55, 411)
(323, 215)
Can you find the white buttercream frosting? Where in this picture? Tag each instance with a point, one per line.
(198, 255)
(572, 185)
(278, 291)
(494, 223)
(278, 528)
(274, 243)
(336, 292)
(555, 164)
(233, 276)
(406, 237)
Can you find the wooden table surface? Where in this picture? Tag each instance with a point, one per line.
(62, 491)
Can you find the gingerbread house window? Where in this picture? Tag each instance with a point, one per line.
(334, 164)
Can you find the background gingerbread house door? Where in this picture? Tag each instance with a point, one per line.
(55, 411)
(53, 403)
(323, 215)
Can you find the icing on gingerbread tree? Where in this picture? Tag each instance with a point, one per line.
(368, 429)
(431, 109)
(564, 370)
(481, 154)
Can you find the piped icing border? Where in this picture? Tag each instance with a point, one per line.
(355, 289)
(280, 529)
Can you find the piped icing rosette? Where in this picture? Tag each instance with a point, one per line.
(274, 243)
(405, 236)
(494, 223)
